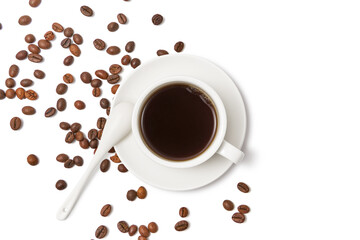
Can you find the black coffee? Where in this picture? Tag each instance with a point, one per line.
(178, 122)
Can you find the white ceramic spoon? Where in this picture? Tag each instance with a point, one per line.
(117, 126)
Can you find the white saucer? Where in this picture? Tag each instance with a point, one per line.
(187, 178)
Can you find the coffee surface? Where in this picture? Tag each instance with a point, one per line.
(178, 122)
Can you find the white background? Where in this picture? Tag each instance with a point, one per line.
(297, 65)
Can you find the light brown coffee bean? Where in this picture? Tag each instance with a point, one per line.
(24, 20)
(33, 160)
(79, 105)
(50, 112)
(61, 89)
(21, 55)
(101, 232)
(28, 110)
(68, 32)
(57, 27)
(79, 161)
(75, 127)
(15, 123)
(84, 144)
(49, 36)
(96, 92)
(228, 205)
(113, 50)
(70, 137)
(64, 126)
(243, 187)
(144, 231)
(99, 44)
(141, 192)
(153, 227)
(30, 38)
(130, 46)
(66, 42)
(243, 209)
(181, 225)
(102, 74)
(113, 27)
(123, 226)
(135, 62)
(39, 74)
(31, 95)
(10, 93)
(125, 60)
(122, 18)
(122, 168)
(79, 136)
(68, 78)
(35, 58)
(62, 158)
(114, 88)
(10, 83)
(69, 60)
(86, 77)
(34, 49)
(162, 52)
(86, 11)
(61, 104)
(78, 39)
(44, 44)
(115, 69)
(101, 123)
(20, 93)
(34, 3)
(26, 82)
(132, 230)
(105, 210)
(183, 212)
(105, 165)
(69, 163)
(75, 50)
(96, 83)
(238, 217)
(14, 70)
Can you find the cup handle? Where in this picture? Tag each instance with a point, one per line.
(230, 152)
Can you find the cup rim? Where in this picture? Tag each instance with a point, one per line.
(221, 122)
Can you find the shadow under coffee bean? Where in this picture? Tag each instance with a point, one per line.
(178, 122)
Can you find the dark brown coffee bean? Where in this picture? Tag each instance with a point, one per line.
(157, 19)
(49, 36)
(183, 212)
(96, 92)
(108, 111)
(100, 134)
(113, 27)
(105, 164)
(35, 58)
(122, 18)
(144, 231)
(79, 105)
(44, 44)
(99, 44)
(32, 160)
(62, 158)
(238, 217)
(243, 209)
(84, 144)
(26, 82)
(34, 3)
(153, 227)
(70, 137)
(115, 69)
(79, 161)
(66, 42)
(132, 230)
(61, 89)
(79, 136)
(78, 39)
(94, 143)
(39, 74)
(122, 168)
(69, 163)
(141, 192)
(68, 60)
(125, 60)
(135, 62)
(114, 88)
(86, 11)
(102, 74)
(24, 20)
(34, 49)
(123, 226)
(31, 95)
(75, 127)
(112, 79)
(64, 126)
(14, 70)
(105, 210)
(57, 27)
(181, 225)
(131, 195)
(243, 187)
(228, 205)
(113, 50)
(101, 232)
(2, 94)
(96, 83)
(61, 104)
(68, 78)
(101, 123)
(10, 93)
(75, 50)
(130, 46)
(10, 83)
(21, 55)
(68, 32)
(0, 26)
(50, 112)
(15, 123)
(162, 52)
(20, 93)
(92, 134)
(86, 77)
(60, 185)
(28, 110)
(30, 38)
(179, 46)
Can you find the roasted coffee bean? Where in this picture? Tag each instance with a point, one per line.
(105, 165)
(112, 79)
(100, 134)
(108, 111)
(78, 39)
(94, 143)
(70, 137)
(2, 94)
(75, 50)
(28, 110)
(101, 123)
(24, 20)
(131, 195)
(179, 46)
(75, 127)
(57, 27)
(15, 123)
(61, 89)
(68, 78)
(142, 238)
(238, 217)
(132, 230)
(102, 74)
(115, 69)
(99, 44)
(228, 205)
(135, 62)
(105, 210)
(130, 46)
(79, 161)
(50, 112)
(0, 26)
(61, 104)
(113, 26)
(21, 55)
(96, 83)
(84, 144)
(10, 93)
(69, 163)
(62, 158)
(86, 77)
(123, 226)
(44, 44)
(68, 32)
(92, 134)
(29, 38)
(122, 18)
(125, 60)
(157, 19)
(141, 192)
(114, 88)
(20, 93)
(66, 42)
(243, 187)
(34, 3)
(113, 50)
(101, 232)
(79, 105)
(10, 83)
(112, 150)
(79, 136)
(14, 70)
(96, 92)
(64, 126)
(153, 227)
(86, 11)
(39, 74)
(122, 168)
(181, 225)
(35, 58)
(49, 36)
(144, 231)
(60, 185)
(33, 160)
(26, 82)
(31, 95)
(34, 49)
(162, 52)
(243, 209)
(68, 60)
(183, 212)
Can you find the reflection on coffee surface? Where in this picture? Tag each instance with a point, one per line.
(178, 122)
